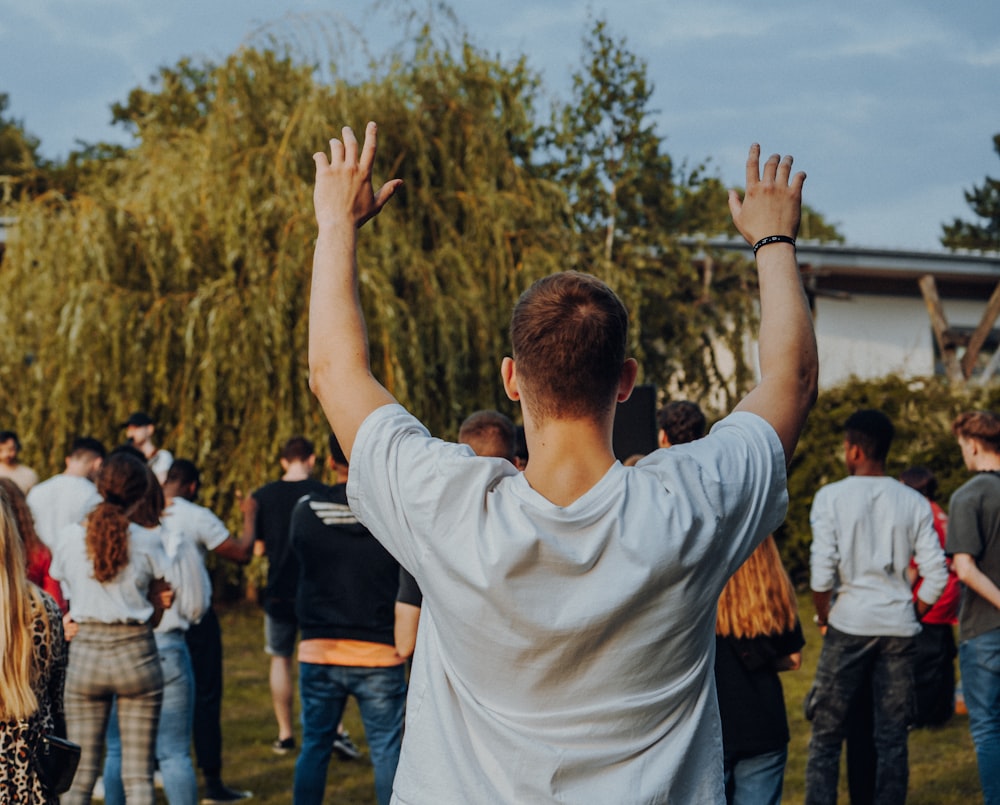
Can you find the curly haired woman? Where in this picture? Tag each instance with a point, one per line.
(111, 570)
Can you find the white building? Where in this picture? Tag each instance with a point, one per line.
(870, 315)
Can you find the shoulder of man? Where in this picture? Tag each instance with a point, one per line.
(973, 490)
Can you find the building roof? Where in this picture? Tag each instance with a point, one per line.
(837, 267)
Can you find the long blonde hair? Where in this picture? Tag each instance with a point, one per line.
(759, 599)
(20, 604)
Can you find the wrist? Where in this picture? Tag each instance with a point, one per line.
(336, 226)
(772, 239)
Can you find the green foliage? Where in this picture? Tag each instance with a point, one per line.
(985, 203)
(174, 281)
(19, 158)
(921, 410)
(173, 276)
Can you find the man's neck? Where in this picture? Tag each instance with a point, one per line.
(868, 469)
(988, 462)
(296, 472)
(568, 457)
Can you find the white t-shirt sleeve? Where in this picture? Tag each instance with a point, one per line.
(735, 474)
(406, 486)
(212, 532)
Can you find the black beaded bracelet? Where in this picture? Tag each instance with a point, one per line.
(773, 239)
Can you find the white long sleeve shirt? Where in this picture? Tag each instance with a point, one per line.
(865, 530)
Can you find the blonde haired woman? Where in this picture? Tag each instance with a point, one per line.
(757, 635)
(32, 669)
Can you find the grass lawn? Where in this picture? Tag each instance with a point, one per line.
(942, 762)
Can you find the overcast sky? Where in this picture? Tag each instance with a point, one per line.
(889, 106)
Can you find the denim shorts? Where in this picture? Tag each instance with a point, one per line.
(279, 636)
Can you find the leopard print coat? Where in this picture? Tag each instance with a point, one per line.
(18, 781)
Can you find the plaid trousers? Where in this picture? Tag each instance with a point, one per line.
(108, 661)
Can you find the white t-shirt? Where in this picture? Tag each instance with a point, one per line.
(200, 530)
(123, 598)
(59, 501)
(565, 653)
(160, 463)
(184, 518)
(865, 530)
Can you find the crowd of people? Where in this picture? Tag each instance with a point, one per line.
(577, 629)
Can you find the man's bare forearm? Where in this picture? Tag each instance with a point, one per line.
(768, 217)
(339, 369)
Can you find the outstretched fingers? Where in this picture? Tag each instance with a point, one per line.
(777, 168)
(771, 203)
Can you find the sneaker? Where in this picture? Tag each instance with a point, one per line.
(218, 792)
(98, 792)
(345, 748)
(283, 746)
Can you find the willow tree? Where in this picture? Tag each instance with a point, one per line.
(629, 205)
(175, 277)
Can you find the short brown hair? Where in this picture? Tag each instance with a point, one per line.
(568, 332)
(984, 426)
(682, 421)
(298, 448)
(488, 433)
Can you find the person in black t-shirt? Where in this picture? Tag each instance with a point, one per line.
(346, 600)
(275, 502)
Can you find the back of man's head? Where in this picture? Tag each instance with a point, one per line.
(921, 479)
(488, 433)
(298, 448)
(183, 473)
(336, 451)
(86, 446)
(983, 426)
(872, 431)
(681, 421)
(568, 332)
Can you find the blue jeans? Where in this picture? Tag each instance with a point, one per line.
(979, 660)
(847, 664)
(173, 734)
(756, 780)
(381, 696)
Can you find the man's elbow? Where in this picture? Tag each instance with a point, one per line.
(809, 381)
(315, 379)
(964, 570)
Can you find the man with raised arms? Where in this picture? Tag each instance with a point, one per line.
(565, 652)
